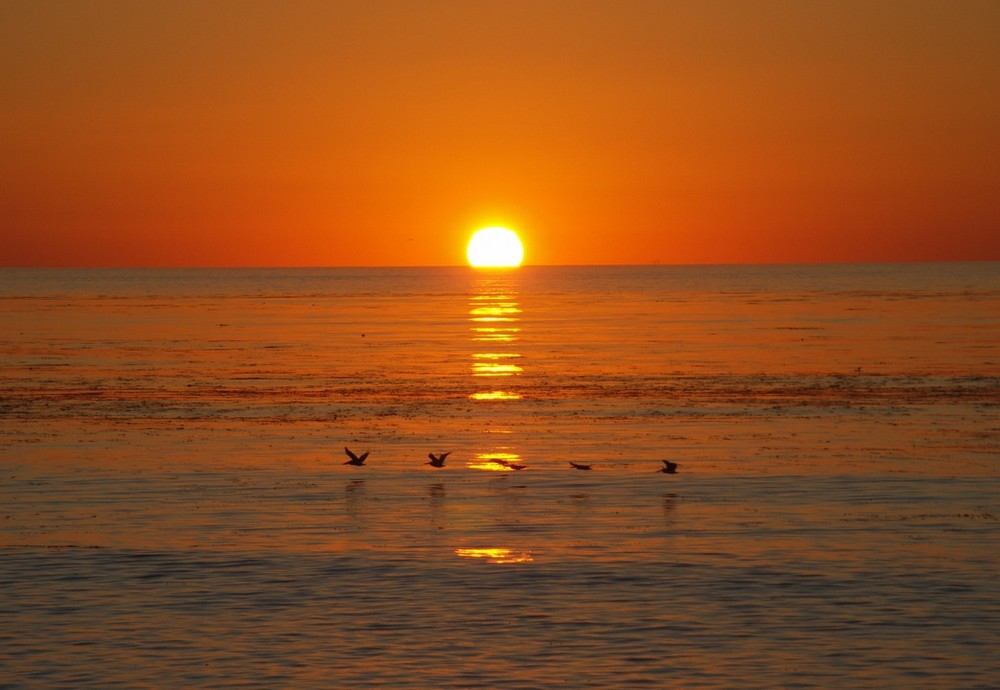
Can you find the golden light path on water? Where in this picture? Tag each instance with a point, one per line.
(176, 511)
(496, 555)
(495, 395)
(495, 364)
(494, 314)
(496, 461)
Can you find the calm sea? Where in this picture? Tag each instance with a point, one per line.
(174, 511)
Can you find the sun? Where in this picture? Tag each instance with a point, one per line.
(495, 248)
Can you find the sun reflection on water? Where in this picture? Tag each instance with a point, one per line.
(496, 461)
(493, 311)
(495, 364)
(495, 334)
(494, 307)
(495, 395)
(496, 555)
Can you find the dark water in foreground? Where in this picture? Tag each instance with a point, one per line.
(508, 581)
(173, 511)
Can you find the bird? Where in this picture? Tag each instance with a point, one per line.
(437, 460)
(669, 467)
(356, 460)
(580, 466)
(508, 464)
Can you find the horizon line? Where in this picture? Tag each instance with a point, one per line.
(216, 267)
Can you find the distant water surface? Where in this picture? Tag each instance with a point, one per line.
(174, 511)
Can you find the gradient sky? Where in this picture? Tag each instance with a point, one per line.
(383, 133)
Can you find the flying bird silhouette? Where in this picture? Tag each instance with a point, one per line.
(437, 460)
(508, 464)
(669, 467)
(356, 460)
(580, 466)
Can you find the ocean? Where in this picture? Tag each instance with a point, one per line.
(175, 511)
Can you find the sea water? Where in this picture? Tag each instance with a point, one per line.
(174, 511)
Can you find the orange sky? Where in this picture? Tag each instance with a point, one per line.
(191, 133)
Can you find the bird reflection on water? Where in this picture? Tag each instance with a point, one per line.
(669, 506)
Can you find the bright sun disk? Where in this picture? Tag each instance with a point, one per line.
(495, 248)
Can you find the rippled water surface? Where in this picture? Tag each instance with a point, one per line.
(174, 511)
